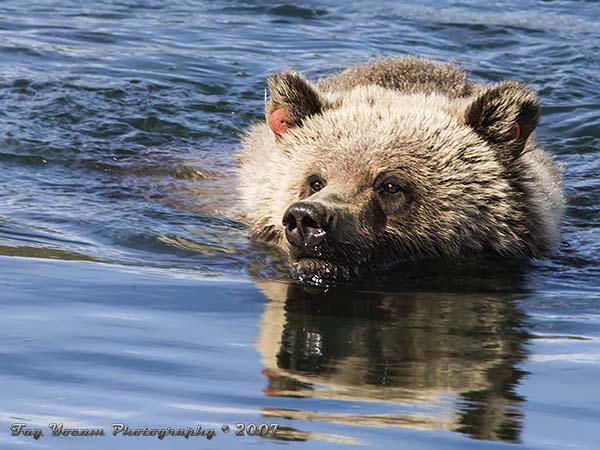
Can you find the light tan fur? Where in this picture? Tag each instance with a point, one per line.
(473, 185)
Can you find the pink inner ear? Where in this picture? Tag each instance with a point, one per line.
(277, 121)
(515, 132)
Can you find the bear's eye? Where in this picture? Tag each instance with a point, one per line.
(391, 188)
(316, 184)
(394, 192)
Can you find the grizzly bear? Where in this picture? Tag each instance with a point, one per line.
(397, 160)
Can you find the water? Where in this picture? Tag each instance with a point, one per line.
(131, 295)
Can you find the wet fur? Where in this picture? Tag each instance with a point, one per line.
(471, 190)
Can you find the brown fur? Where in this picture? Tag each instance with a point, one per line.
(408, 75)
(473, 181)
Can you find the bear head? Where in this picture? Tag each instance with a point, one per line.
(368, 178)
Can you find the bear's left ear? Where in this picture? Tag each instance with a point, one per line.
(504, 115)
(293, 99)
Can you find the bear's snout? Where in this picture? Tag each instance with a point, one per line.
(306, 224)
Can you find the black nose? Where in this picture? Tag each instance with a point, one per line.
(306, 224)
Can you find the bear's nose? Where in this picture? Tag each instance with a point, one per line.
(305, 224)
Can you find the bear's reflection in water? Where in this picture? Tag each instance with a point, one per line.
(446, 361)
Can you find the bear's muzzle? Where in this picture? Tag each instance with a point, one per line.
(306, 224)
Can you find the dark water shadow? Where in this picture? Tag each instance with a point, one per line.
(424, 357)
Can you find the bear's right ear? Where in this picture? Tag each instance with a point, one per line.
(292, 100)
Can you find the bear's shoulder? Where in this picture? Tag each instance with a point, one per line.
(408, 75)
